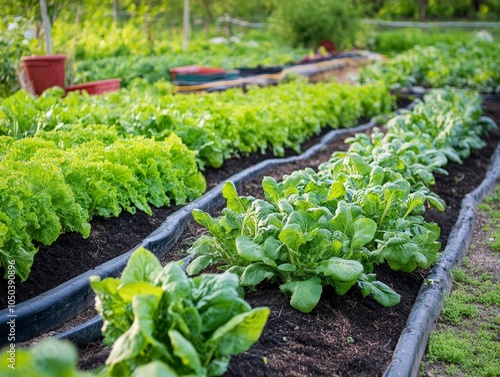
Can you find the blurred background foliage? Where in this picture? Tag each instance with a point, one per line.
(137, 36)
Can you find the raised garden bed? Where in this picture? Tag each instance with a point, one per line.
(105, 252)
(347, 335)
(361, 338)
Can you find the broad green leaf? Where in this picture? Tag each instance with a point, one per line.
(255, 273)
(285, 206)
(337, 190)
(382, 293)
(272, 191)
(303, 219)
(371, 203)
(359, 164)
(22, 257)
(414, 202)
(230, 220)
(343, 270)
(272, 247)
(436, 202)
(129, 290)
(173, 279)
(364, 230)
(240, 332)
(142, 266)
(287, 267)
(207, 221)
(110, 305)
(199, 263)
(426, 176)
(234, 202)
(305, 294)
(155, 368)
(139, 335)
(343, 217)
(218, 366)
(342, 287)
(377, 176)
(185, 351)
(292, 236)
(53, 358)
(249, 250)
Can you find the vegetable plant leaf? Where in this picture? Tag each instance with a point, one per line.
(340, 269)
(305, 294)
(240, 332)
(249, 250)
(382, 293)
(154, 369)
(142, 266)
(255, 273)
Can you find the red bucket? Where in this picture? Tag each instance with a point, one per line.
(44, 71)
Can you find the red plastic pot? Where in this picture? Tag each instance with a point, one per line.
(44, 71)
(96, 87)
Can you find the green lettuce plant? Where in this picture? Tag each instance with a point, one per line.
(56, 182)
(363, 207)
(161, 322)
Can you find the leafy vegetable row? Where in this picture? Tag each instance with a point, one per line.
(363, 207)
(57, 181)
(473, 65)
(159, 322)
(217, 126)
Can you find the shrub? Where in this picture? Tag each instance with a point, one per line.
(307, 22)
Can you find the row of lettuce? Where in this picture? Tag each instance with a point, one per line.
(64, 160)
(473, 65)
(216, 126)
(361, 208)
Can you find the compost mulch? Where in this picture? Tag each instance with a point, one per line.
(343, 336)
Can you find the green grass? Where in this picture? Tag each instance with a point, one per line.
(467, 338)
(491, 206)
(467, 341)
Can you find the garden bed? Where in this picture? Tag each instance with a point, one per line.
(348, 335)
(344, 335)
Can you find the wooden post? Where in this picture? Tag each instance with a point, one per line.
(186, 26)
(72, 70)
(116, 6)
(423, 12)
(46, 25)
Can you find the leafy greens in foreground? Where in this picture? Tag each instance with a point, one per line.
(48, 358)
(162, 322)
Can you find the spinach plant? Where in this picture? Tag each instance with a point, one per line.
(363, 207)
(294, 240)
(162, 322)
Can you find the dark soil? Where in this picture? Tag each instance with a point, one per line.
(344, 335)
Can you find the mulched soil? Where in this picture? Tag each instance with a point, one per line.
(343, 336)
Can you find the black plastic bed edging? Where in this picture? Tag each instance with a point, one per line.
(51, 309)
(425, 312)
